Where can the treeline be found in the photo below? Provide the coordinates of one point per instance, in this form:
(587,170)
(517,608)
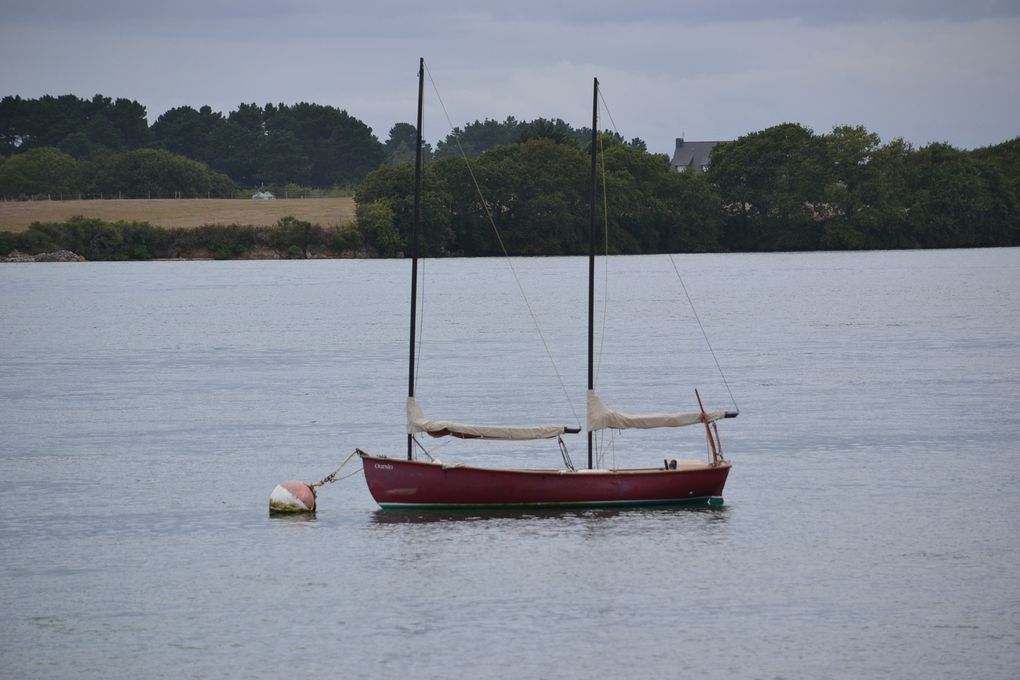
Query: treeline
(484,135)
(536,193)
(784,188)
(305,144)
(95,239)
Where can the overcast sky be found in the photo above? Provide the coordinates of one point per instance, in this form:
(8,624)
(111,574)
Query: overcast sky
(935,70)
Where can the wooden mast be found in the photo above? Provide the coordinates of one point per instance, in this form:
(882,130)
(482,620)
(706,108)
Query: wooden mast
(414,246)
(591,253)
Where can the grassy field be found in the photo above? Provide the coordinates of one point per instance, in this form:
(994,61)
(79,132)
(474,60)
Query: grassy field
(188,212)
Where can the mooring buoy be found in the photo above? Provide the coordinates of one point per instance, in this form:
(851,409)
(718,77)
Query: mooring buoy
(292,496)
(295,496)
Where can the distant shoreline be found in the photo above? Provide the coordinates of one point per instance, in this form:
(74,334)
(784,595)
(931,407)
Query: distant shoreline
(17,216)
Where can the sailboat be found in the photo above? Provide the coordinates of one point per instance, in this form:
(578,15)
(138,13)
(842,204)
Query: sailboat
(410,483)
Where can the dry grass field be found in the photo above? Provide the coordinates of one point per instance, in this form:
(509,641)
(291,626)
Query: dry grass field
(188,212)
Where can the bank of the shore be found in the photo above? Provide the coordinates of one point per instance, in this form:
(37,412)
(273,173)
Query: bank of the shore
(95,239)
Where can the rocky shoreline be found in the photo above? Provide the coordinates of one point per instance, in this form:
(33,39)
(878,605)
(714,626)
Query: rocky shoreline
(57,256)
(196,255)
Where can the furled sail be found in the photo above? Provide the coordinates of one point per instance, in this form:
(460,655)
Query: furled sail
(417,422)
(601,416)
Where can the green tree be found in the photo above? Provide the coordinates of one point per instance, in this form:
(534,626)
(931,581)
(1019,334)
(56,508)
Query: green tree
(157,173)
(376,221)
(886,195)
(238,152)
(1000,169)
(400,144)
(185,131)
(394,185)
(331,147)
(38,171)
(478,137)
(129,119)
(543,128)
(771,183)
(72,124)
(1005,158)
(951,199)
(849,186)
(536,194)
(654,209)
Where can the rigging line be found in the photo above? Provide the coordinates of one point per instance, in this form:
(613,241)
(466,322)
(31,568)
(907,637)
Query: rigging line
(605,266)
(608,112)
(605,235)
(703,333)
(421,322)
(506,255)
(600,452)
(351,474)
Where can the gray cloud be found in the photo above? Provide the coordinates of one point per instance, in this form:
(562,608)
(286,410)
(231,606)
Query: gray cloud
(336,14)
(926,71)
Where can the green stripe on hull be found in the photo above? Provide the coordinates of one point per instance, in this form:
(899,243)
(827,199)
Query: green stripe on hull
(703,500)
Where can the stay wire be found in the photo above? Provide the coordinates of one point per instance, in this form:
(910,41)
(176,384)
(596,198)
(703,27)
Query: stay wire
(598,443)
(605,251)
(506,254)
(675,269)
(605,235)
(703,333)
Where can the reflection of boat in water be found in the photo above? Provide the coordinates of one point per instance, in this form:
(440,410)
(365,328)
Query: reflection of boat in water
(411,515)
(410,483)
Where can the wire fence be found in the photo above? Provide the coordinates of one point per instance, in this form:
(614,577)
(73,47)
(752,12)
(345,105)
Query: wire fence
(253,193)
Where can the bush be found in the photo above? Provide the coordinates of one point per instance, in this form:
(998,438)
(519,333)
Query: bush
(38,172)
(158,173)
(8,242)
(377,222)
(346,240)
(95,239)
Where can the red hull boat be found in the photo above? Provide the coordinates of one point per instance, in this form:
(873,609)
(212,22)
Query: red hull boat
(396,483)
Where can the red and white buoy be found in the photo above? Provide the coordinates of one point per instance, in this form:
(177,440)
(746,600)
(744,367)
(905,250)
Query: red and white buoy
(295,496)
(292,496)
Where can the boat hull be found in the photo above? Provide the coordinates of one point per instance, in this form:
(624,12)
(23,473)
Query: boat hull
(398,483)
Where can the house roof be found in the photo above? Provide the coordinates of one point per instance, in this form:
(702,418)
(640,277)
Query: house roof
(694,154)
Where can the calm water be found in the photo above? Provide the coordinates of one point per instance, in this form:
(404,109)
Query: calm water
(871,519)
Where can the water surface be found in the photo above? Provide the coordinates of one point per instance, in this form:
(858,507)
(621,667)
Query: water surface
(870,525)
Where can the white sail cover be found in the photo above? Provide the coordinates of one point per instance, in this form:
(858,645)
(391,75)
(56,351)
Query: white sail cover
(601,416)
(417,422)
